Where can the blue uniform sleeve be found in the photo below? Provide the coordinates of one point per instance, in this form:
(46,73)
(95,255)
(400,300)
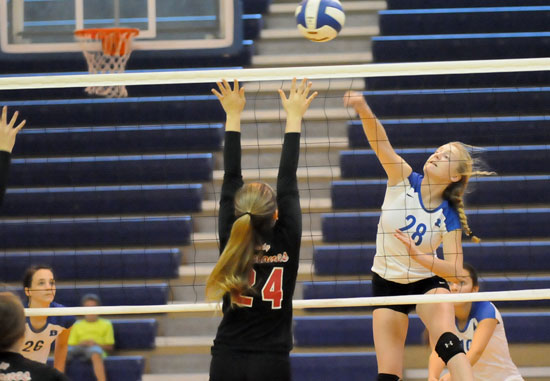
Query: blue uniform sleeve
(66,321)
(452,221)
(483,310)
(416,180)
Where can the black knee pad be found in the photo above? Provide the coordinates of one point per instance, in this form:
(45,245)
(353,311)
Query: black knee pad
(387,377)
(448,346)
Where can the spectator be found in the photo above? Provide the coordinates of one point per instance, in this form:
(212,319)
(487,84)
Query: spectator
(91,338)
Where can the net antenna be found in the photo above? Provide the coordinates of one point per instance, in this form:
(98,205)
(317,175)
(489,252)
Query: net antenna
(106,50)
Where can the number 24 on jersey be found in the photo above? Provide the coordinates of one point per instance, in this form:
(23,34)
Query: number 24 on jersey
(272,291)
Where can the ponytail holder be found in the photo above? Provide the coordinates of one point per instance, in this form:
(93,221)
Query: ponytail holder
(250,214)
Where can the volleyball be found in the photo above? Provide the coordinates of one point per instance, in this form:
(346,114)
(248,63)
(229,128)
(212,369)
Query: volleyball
(320,20)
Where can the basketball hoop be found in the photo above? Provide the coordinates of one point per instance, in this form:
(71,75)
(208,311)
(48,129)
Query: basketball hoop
(107,50)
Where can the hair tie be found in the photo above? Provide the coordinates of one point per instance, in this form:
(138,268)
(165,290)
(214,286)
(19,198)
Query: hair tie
(250,214)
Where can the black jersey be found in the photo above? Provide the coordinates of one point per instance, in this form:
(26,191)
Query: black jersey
(4,165)
(262,322)
(15,367)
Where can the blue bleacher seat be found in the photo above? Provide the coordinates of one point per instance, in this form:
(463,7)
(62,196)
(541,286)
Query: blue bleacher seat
(479,131)
(95,264)
(94,200)
(464,20)
(524,223)
(421,4)
(485,191)
(504,160)
(333,366)
(115,295)
(528,327)
(500,257)
(509,79)
(103,170)
(134,333)
(360,289)
(139,139)
(158,110)
(120,368)
(95,232)
(465,102)
(450,47)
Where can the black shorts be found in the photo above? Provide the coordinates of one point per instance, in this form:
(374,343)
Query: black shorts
(249,366)
(383,287)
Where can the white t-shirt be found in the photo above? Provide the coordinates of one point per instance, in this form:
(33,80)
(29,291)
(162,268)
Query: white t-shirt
(495,363)
(37,344)
(403,209)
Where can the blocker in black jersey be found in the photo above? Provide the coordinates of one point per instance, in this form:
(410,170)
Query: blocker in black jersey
(263,321)
(254,338)
(14,367)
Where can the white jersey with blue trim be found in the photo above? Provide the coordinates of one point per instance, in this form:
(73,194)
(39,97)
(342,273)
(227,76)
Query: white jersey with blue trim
(495,363)
(38,342)
(403,209)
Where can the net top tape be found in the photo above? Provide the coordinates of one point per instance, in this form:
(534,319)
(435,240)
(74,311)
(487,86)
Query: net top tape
(270,74)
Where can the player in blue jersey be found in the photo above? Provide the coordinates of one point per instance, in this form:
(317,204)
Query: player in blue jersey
(420,212)
(42,331)
(13,366)
(260,234)
(481,329)
(7,140)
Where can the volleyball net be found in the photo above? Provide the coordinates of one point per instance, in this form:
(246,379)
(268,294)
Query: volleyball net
(120,196)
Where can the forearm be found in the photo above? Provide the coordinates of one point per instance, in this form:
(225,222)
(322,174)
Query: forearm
(473,356)
(233,122)
(446,269)
(4,167)
(288,165)
(293,124)
(60,356)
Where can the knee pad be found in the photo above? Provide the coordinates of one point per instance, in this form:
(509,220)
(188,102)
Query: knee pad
(387,377)
(448,346)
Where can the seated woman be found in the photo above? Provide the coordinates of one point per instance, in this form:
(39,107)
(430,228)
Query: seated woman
(481,330)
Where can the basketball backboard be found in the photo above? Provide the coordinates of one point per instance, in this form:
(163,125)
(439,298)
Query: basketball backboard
(34,26)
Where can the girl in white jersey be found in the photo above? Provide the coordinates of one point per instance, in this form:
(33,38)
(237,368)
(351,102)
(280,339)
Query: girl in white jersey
(42,331)
(418,214)
(481,330)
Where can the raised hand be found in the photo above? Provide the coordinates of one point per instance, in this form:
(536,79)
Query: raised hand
(7,131)
(298,101)
(232,100)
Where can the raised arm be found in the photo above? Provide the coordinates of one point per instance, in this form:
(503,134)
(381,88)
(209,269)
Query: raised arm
(233,102)
(7,141)
(396,168)
(288,199)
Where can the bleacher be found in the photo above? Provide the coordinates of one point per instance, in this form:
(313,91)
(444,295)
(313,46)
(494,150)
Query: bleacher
(504,115)
(104,190)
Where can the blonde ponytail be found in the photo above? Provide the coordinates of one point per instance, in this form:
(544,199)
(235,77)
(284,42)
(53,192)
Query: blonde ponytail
(255,206)
(454,193)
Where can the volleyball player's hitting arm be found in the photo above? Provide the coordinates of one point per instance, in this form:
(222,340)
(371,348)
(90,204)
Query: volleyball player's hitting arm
(7,141)
(395,167)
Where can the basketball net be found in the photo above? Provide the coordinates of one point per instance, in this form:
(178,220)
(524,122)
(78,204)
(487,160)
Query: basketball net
(106,51)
